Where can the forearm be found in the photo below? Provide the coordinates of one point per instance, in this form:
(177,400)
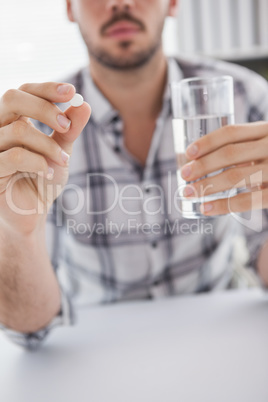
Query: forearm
(262,264)
(29,291)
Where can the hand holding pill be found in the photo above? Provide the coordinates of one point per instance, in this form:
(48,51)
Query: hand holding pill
(25,149)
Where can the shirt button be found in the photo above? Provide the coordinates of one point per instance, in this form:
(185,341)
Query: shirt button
(154,244)
(147,188)
(117,149)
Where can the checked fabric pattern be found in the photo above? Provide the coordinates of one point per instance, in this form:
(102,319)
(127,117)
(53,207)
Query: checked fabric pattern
(115,234)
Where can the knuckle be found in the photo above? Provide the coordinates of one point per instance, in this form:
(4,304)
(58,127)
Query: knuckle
(200,167)
(233,176)
(15,155)
(221,206)
(25,87)
(230,130)
(234,132)
(45,107)
(18,128)
(42,163)
(229,152)
(202,188)
(208,142)
(8,96)
(207,188)
(244,202)
(53,146)
(239,203)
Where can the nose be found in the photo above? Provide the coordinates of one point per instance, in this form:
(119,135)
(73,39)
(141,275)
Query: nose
(120,5)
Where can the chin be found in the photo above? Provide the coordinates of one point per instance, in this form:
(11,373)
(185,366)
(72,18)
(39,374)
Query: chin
(125,55)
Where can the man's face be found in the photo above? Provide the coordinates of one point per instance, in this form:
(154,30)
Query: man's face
(121,34)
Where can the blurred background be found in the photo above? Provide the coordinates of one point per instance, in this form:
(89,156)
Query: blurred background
(38,43)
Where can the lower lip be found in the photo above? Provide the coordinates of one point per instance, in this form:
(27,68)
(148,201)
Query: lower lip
(123,33)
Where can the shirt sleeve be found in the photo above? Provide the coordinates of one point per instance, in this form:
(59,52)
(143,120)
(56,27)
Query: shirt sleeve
(33,340)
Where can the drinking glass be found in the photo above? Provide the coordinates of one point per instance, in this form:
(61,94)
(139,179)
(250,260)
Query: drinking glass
(200,106)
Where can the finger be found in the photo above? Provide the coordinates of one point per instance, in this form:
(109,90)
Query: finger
(79,117)
(15,103)
(242,202)
(231,154)
(21,134)
(237,177)
(226,135)
(21,160)
(50,91)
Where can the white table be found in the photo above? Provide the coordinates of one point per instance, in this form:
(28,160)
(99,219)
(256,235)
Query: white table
(209,348)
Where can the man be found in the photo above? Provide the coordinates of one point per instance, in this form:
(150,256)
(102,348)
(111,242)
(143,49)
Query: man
(115,233)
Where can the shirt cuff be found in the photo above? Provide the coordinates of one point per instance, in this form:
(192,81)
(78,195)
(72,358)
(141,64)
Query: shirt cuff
(33,340)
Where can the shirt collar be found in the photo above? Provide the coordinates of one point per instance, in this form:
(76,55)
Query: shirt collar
(102,110)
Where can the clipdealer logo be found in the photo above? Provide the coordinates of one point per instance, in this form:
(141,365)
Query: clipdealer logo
(253,219)
(163,202)
(133,227)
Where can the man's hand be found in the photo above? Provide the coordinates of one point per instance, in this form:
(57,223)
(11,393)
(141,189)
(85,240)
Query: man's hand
(30,161)
(243,149)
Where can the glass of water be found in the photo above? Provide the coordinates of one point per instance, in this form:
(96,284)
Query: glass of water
(200,105)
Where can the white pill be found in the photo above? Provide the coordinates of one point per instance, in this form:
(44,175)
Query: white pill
(77,100)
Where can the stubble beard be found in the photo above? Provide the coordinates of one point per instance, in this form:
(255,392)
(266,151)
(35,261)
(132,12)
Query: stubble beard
(124,63)
(133,62)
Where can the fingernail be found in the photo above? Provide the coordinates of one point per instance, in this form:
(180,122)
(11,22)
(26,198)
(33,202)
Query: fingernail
(186,171)
(206,208)
(64,89)
(50,173)
(65,156)
(188,191)
(192,150)
(63,121)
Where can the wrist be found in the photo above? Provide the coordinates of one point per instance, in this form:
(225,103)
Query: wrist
(26,231)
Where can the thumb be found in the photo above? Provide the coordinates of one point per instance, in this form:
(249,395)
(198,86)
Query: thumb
(79,117)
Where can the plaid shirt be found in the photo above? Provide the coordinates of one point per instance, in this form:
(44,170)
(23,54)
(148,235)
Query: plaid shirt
(116,234)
